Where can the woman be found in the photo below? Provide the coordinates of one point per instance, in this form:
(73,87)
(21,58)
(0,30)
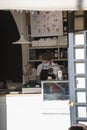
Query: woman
(47,69)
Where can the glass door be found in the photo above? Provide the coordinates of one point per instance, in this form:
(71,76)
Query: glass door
(78,76)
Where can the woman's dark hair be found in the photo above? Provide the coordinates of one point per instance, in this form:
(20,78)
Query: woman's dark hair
(46,56)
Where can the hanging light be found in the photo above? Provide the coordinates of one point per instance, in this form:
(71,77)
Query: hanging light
(22,40)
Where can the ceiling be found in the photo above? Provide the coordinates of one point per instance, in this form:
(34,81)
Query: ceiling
(41,5)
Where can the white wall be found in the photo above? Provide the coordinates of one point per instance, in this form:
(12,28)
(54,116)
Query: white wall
(24,112)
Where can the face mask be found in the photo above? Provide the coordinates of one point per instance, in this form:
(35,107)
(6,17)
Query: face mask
(45,64)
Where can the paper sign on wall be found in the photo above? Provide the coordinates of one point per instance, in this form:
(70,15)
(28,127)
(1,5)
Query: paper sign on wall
(46,23)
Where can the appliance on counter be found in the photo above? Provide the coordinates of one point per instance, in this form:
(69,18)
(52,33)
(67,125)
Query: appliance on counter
(33,86)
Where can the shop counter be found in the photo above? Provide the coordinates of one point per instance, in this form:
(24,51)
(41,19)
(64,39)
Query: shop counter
(30,111)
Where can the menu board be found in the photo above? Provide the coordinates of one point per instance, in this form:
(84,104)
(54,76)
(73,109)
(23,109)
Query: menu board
(46,23)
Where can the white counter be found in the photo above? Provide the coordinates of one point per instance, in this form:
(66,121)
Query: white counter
(25,112)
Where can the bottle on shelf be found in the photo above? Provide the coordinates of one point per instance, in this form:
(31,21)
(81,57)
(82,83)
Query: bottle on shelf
(52,55)
(61,54)
(33,55)
(56,54)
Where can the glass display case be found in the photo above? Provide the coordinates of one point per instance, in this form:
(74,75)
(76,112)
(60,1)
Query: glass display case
(55,96)
(55,90)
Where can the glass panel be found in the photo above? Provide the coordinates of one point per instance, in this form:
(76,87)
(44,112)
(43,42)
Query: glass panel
(80,82)
(82,122)
(79,68)
(55,91)
(79,53)
(81,97)
(82,112)
(79,39)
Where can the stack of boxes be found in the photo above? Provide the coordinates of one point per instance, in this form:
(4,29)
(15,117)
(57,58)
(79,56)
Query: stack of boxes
(61,40)
(45,42)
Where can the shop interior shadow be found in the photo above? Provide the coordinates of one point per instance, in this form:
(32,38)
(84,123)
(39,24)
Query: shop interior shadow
(10,55)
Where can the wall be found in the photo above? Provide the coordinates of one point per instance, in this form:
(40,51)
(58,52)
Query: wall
(24,112)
